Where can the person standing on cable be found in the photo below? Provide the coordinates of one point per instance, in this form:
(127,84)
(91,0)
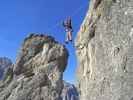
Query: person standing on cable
(67,24)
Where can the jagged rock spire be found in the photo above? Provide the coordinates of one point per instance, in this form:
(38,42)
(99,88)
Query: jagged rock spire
(38,71)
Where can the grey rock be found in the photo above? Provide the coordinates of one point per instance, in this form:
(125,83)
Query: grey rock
(38,71)
(104,47)
(69,92)
(5,63)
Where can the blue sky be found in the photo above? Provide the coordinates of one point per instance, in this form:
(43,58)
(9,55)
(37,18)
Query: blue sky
(18,18)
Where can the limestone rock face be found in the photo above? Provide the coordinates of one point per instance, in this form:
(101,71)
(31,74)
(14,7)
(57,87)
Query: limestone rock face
(38,71)
(5,63)
(105,51)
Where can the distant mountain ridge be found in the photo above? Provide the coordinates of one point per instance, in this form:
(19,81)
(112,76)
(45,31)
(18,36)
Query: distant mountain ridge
(5,63)
(69,92)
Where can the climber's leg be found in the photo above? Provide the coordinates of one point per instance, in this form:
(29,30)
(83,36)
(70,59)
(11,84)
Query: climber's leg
(70,36)
(67,37)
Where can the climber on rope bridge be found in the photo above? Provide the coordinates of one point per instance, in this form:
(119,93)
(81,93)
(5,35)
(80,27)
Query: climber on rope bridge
(67,24)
